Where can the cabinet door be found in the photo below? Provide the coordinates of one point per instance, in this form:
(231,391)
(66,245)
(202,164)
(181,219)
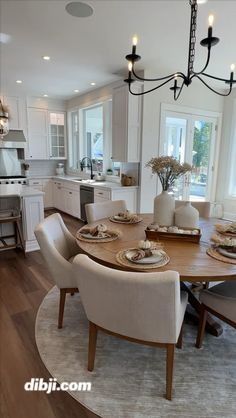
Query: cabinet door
(37,133)
(72,202)
(59,197)
(57,135)
(119,124)
(13,104)
(33,214)
(48,197)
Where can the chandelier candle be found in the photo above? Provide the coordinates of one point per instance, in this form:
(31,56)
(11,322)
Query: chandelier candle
(186,79)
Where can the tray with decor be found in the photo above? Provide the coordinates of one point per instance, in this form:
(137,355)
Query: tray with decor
(156,232)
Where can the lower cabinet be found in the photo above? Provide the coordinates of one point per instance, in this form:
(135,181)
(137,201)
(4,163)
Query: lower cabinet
(46,186)
(66,199)
(32,215)
(129,195)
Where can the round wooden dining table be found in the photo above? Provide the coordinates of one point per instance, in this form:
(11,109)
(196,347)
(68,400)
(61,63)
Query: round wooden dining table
(189,259)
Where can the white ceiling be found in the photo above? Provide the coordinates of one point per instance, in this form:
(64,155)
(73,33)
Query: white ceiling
(94,48)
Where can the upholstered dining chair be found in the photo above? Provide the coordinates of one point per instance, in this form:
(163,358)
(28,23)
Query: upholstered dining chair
(96,211)
(203,208)
(58,247)
(220,300)
(145,308)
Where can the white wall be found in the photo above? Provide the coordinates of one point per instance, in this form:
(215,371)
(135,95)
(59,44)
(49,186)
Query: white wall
(195,96)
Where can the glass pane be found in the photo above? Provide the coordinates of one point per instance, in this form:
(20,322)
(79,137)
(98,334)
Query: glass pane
(53,129)
(200,159)
(54,141)
(61,151)
(55,151)
(61,130)
(175,137)
(53,118)
(61,141)
(174,146)
(60,119)
(93,139)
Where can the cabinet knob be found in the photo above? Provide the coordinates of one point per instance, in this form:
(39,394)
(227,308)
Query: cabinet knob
(70,192)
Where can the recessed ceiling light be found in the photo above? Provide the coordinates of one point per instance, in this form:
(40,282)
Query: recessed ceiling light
(202,1)
(45,95)
(19,81)
(78,9)
(93,84)
(46,58)
(76,91)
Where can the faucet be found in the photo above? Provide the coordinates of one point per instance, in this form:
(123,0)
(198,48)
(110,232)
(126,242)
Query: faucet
(82,166)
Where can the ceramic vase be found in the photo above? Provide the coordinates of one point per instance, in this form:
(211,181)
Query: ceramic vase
(164,208)
(187,216)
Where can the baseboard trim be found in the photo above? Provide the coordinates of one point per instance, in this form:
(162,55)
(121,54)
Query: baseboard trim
(31,246)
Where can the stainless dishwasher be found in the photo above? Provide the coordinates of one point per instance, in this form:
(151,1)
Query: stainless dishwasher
(86,196)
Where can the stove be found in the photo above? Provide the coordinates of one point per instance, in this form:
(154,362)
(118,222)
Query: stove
(14,180)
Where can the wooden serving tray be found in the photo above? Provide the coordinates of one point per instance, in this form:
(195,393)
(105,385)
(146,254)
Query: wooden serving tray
(158,235)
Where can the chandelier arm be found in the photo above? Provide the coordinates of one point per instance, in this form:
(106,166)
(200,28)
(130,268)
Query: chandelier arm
(179,74)
(179,92)
(149,91)
(219,78)
(214,91)
(205,67)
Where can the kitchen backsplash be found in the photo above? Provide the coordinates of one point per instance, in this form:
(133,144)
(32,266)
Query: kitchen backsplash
(42,167)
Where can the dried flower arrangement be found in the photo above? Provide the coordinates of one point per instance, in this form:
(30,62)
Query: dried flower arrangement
(168,170)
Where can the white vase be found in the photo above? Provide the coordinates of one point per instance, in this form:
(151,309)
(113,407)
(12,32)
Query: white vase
(164,208)
(187,216)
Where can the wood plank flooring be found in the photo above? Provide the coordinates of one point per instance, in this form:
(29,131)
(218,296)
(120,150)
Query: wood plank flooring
(23,284)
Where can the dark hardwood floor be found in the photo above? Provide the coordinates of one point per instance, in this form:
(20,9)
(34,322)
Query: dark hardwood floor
(23,284)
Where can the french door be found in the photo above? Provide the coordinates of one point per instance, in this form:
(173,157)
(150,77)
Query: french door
(192,139)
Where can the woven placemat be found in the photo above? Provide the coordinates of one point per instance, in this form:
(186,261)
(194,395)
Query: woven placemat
(212,252)
(125,222)
(115,234)
(121,258)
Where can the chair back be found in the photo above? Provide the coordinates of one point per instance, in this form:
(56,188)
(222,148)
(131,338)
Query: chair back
(100,210)
(203,208)
(144,306)
(57,245)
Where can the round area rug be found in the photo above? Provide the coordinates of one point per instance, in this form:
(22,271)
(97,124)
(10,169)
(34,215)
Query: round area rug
(128,380)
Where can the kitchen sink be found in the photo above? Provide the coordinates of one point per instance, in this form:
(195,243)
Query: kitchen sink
(84,180)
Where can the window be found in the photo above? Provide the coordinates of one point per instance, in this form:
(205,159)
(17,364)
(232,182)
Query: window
(232,183)
(90,136)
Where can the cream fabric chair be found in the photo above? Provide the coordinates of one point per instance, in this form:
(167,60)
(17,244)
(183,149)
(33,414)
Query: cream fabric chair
(203,208)
(58,248)
(100,210)
(220,300)
(146,308)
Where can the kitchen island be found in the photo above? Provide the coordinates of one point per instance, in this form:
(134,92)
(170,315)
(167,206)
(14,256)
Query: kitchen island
(32,212)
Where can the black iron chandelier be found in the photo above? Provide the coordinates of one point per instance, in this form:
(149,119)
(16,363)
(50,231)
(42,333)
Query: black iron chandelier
(186,79)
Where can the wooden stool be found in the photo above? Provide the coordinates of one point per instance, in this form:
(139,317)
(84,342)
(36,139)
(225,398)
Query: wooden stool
(10,212)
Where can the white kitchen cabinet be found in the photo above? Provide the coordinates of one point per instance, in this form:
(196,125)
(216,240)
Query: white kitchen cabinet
(101,195)
(33,214)
(72,202)
(17,111)
(126,124)
(66,197)
(58,197)
(44,185)
(37,134)
(57,135)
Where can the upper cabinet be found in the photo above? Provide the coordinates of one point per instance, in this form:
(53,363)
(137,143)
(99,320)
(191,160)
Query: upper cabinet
(126,124)
(38,134)
(17,112)
(47,139)
(57,135)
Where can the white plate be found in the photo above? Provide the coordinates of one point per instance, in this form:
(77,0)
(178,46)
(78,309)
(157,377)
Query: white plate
(147,260)
(226,253)
(120,218)
(89,236)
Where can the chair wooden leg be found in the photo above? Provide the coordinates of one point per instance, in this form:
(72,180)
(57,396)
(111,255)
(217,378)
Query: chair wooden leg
(180,339)
(201,326)
(92,345)
(18,227)
(61,307)
(169,369)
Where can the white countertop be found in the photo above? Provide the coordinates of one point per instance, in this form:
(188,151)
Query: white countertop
(97,184)
(18,190)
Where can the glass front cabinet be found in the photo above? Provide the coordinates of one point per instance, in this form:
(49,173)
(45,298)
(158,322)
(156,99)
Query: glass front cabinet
(57,135)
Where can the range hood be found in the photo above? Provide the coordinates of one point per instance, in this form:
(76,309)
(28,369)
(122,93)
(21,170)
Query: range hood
(14,139)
